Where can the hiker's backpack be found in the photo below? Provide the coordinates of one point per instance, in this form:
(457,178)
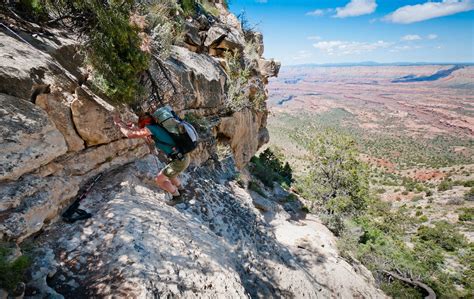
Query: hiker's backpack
(183,133)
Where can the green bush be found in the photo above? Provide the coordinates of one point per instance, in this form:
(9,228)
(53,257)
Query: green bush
(269,168)
(469,195)
(209,8)
(418,213)
(423,218)
(337,179)
(12,272)
(189,7)
(443,234)
(469,183)
(34,10)
(113,50)
(165,27)
(467,214)
(291,197)
(445,185)
(237,79)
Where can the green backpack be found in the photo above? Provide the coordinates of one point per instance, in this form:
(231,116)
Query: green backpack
(182,133)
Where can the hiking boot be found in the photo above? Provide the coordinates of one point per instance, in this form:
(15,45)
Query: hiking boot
(176,198)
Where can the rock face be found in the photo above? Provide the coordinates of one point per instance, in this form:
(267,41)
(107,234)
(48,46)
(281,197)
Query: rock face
(93,118)
(215,244)
(59,112)
(28,138)
(199,75)
(224,38)
(242,129)
(23,65)
(34,201)
(269,68)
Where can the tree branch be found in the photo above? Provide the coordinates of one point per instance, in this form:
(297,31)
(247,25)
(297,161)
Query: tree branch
(416,283)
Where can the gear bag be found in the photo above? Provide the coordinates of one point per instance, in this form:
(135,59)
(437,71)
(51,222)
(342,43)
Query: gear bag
(183,133)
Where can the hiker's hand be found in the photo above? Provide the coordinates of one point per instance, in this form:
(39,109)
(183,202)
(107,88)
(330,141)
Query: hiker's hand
(117,120)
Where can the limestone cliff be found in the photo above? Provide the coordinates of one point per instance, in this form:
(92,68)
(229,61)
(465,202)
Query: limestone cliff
(215,244)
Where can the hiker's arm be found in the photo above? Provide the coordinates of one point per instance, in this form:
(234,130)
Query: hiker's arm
(129,132)
(135,133)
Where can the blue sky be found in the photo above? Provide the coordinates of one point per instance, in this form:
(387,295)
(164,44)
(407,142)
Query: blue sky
(335,31)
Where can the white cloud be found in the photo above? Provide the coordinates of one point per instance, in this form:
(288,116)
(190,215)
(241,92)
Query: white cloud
(337,47)
(356,8)
(319,12)
(429,10)
(432,36)
(411,37)
(314,37)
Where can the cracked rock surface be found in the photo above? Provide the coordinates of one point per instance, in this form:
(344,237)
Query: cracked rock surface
(214,243)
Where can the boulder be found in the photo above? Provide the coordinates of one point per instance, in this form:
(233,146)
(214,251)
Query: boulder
(93,118)
(31,202)
(214,35)
(202,78)
(28,138)
(258,40)
(228,18)
(23,65)
(59,112)
(269,67)
(203,22)
(36,199)
(226,38)
(261,203)
(191,34)
(242,130)
(104,157)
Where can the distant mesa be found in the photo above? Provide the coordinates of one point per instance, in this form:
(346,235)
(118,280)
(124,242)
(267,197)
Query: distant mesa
(287,99)
(292,81)
(438,75)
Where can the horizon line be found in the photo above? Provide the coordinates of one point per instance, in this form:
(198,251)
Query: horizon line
(374,63)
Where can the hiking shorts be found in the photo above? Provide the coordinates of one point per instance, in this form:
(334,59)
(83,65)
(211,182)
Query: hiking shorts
(175,167)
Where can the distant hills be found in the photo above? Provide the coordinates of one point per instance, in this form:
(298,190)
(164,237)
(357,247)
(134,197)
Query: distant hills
(373,63)
(438,75)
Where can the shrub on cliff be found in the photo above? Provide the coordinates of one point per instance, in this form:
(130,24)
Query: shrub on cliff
(115,48)
(12,271)
(239,71)
(237,78)
(34,10)
(165,28)
(119,37)
(269,168)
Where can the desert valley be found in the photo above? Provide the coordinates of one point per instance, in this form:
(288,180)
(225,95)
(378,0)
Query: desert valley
(413,126)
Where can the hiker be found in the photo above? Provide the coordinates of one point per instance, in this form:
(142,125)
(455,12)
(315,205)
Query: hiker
(171,135)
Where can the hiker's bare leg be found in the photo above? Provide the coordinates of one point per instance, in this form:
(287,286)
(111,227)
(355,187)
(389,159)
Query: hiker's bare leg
(175,181)
(164,183)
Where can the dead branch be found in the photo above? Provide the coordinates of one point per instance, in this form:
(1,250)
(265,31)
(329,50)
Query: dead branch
(164,71)
(416,283)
